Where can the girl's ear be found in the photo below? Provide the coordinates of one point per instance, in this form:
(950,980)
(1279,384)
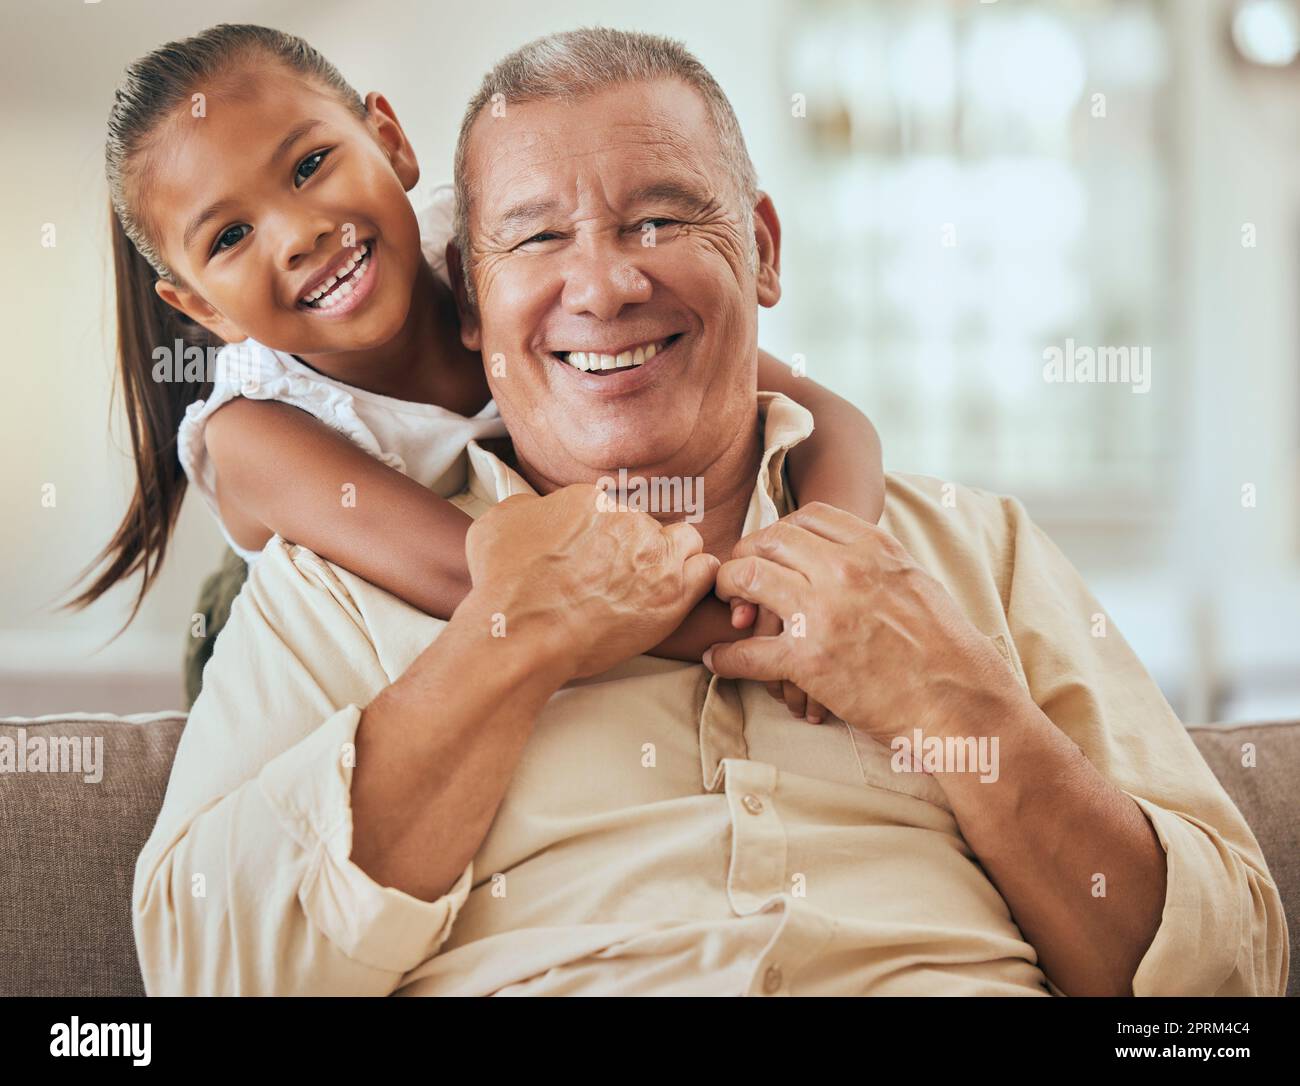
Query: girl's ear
(194,307)
(383,122)
(471,332)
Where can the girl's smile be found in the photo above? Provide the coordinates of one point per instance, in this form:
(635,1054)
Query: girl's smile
(343,285)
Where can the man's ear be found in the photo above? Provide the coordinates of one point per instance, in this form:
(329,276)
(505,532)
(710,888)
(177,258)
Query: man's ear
(767,238)
(471,333)
(194,307)
(383,123)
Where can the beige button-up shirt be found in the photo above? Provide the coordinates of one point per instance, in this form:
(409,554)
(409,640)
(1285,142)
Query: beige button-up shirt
(667,831)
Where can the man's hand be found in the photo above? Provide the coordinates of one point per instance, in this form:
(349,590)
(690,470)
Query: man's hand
(867,631)
(606,584)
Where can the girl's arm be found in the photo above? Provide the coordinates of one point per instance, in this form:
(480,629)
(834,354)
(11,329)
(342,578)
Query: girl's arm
(282,471)
(840,464)
(257,445)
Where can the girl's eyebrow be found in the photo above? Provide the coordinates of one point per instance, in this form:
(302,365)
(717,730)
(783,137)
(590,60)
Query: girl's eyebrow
(213,210)
(295,134)
(201,220)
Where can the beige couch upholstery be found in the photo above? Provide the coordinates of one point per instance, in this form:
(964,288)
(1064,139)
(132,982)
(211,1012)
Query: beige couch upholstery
(68,847)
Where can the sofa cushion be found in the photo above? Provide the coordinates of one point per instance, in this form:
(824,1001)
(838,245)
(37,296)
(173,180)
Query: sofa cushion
(1265,794)
(68,850)
(68,846)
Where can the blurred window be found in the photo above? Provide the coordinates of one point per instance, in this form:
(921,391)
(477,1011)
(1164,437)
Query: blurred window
(981,184)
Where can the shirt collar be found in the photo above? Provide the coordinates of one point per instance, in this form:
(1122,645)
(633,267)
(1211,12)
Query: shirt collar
(782,423)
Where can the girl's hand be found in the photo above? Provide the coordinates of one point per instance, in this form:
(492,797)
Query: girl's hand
(769,624)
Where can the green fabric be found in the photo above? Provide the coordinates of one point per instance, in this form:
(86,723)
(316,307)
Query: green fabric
(215,599)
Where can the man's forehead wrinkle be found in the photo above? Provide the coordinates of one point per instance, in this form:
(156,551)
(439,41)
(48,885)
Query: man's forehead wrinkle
(662,128)
(516,178)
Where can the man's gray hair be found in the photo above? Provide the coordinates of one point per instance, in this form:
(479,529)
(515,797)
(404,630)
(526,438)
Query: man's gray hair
(576,63)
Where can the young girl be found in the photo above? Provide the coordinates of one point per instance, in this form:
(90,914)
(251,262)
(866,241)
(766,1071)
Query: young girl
(260,207)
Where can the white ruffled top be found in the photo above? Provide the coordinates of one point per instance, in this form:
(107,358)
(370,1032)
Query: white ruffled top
(423,441)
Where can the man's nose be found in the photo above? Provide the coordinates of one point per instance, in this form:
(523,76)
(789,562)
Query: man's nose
(300,236)
(602,278)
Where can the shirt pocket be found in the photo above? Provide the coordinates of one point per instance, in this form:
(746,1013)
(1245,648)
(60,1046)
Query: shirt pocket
(876,762)
(880,764)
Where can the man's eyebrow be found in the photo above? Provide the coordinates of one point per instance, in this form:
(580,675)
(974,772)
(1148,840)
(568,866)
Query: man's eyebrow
(522,214)
(674,193)
(213,210)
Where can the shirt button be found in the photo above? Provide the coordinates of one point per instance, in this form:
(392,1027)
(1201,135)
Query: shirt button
(772,979)
(752,803)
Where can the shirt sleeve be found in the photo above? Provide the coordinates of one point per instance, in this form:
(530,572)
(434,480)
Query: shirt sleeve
(435,214)
(1222,930)
(246,885)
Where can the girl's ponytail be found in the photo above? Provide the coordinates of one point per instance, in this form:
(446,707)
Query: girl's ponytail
(153,87)
(154,409)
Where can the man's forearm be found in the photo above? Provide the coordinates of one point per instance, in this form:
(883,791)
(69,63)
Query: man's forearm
(1076,860)
(436,750)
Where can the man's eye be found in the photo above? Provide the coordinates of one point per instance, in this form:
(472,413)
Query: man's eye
(308,166)
(546,236)
(229,238)
(657,223)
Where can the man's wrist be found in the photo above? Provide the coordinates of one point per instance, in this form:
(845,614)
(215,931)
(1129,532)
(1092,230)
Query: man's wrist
(987,700)
(531,649)
(999,734)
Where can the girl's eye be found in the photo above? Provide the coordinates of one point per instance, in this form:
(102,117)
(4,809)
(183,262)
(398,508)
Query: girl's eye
(308,166)
(229,238)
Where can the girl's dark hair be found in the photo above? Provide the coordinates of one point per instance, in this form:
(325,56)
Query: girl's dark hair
(152,88)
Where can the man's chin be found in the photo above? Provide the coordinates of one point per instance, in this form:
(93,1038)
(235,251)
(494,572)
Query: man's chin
(634,456)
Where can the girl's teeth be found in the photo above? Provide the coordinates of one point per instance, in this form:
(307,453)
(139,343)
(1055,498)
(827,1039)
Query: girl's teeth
(326,297)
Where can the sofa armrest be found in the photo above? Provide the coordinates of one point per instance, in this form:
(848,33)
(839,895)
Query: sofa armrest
(1266,794)
(70,841)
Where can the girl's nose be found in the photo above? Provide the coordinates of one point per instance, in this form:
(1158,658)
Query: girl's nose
(300,239)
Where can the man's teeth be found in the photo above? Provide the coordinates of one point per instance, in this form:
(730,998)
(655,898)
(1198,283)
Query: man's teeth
(342,282)
(587,361)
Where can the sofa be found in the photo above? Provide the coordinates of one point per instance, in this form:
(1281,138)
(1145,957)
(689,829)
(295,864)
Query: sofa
(68,846)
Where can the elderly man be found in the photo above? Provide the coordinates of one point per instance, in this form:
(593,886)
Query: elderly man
(518,801)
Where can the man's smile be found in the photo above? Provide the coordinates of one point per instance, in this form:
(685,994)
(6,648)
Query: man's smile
(612,374)
(593,360)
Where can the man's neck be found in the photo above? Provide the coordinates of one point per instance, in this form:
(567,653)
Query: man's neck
(724,489)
